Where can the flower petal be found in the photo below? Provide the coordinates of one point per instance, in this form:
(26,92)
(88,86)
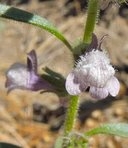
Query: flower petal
(16,76)
(72,87)
(98,93)
(113,86)
(75,84)
(32,61)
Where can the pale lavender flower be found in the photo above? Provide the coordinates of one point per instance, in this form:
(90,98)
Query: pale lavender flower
(20,76)
(95,72)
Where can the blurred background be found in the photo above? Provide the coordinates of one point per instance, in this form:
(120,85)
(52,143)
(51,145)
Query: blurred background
(35,120)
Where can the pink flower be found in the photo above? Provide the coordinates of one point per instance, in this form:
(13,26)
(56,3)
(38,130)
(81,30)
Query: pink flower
(20,76)
(95,72)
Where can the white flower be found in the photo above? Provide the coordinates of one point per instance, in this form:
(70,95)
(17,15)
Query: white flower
(95,71)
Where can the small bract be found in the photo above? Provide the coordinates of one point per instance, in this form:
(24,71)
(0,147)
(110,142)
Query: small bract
(20,76)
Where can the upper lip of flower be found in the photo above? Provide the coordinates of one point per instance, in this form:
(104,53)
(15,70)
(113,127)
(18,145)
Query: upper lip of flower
(32,62)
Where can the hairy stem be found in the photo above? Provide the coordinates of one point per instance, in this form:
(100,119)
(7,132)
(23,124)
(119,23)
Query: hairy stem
(71,115)
(92,16)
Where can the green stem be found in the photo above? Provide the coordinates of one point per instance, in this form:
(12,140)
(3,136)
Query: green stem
(92,15)
(71,115)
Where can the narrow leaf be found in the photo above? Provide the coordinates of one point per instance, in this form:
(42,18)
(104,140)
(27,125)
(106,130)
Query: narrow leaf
(119,129)
(30,18)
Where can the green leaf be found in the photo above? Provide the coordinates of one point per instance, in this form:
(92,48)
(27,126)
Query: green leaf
(119,129)
(30,18)
(8,145)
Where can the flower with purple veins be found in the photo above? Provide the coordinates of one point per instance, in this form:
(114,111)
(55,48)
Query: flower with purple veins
(94,71)
(20,76)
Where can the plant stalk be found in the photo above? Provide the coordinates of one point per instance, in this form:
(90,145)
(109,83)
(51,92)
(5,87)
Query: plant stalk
(71,115)
(92,17)
(70,120)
